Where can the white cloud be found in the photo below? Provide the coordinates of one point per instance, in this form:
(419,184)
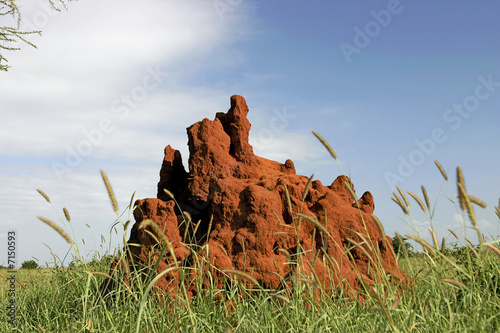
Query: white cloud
(87,60)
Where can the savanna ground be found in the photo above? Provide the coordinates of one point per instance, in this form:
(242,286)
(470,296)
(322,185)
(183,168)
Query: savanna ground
(455,288)
(65,300)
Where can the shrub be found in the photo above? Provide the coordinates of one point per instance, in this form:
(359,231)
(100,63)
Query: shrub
(29,264)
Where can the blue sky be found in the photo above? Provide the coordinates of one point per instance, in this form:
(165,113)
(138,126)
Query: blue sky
(140,73)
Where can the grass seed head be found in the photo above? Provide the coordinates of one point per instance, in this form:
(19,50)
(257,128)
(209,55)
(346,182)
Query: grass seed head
(403,196)
(417,199)
(461,192)
(426,198)
(46,197)
(110,192)
(56,228)
(326,144)
(66,214)
(440,167)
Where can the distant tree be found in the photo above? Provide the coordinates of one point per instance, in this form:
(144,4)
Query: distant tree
(398,247)
(29,264)
(12,34)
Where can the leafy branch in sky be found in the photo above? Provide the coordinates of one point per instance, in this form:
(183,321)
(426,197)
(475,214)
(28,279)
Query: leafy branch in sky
(12,34)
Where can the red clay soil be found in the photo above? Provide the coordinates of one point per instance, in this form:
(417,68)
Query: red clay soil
(240,200)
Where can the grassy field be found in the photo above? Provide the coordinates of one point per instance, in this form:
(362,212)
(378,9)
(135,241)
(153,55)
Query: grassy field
(65,300)
(453,290)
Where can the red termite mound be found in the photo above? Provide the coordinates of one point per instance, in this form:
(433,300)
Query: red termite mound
(246,214)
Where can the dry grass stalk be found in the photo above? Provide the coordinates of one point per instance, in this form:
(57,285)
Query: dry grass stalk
(461,182)
(280,297)
(402,244)
(132,200)
(360,247)
(351,191)
(420,203)
(380,227)
(424,244)
(383,307)
(395,304)
(403,196)
(210,226)
(170,194)
(101,274)
(307,281)
(477,201)
(56,228)
(241,274)
(110,192)
(285,252)
(445,176)
(434,238)
(443,245)
(497,209)
(124,265)
(454,234)
(426,198)
(398,201)
(306,189)
(288,200)
(125,227)
(468,206)
(66,214)
(89,323)
(493,248)
(316,223)
(473,250)
(453,283)
(161,235)
(326,144)
(46,197)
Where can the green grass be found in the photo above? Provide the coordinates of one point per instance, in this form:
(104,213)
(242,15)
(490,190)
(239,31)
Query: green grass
(68,301)
(455,290)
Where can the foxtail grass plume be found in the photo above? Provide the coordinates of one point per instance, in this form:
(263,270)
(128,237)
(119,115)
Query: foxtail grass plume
(170,194)
(110,192)
(45,196)
(461,181)
(493,248)
(132,200)
(398,201)
(477,201)
(403,196)
(443,245)
(497,209)
(316,223)
(424,244)
(417,199)
(307,187)
(379,225)
(326,144)
(426,198)
(351,191)
(66,214)
(467,203)
(434,238)
(453,282)
(56,228)
(440,167)
(454,234)
(241,274)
